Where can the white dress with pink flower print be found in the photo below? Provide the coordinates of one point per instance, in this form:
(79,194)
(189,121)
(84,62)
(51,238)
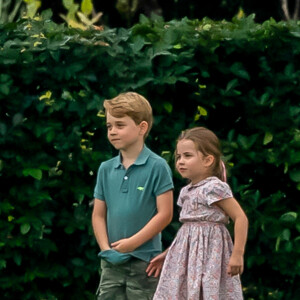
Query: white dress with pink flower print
(195,266)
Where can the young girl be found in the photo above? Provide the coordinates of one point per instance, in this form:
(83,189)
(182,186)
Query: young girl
(202,262)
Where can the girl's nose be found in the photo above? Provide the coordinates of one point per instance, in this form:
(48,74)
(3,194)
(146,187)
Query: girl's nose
(180,161)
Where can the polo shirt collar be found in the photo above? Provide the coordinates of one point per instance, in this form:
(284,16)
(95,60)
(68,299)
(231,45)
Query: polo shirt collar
(141,160)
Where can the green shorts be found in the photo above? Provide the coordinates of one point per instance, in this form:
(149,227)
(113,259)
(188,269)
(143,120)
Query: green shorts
(128,281)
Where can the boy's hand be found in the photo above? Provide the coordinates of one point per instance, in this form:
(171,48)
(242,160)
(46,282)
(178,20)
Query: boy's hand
(235,265)
(123,246)
(156,264)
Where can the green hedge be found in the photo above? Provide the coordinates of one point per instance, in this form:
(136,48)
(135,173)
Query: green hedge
(239,78)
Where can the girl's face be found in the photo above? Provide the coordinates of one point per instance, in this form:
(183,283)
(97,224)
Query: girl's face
(191,163)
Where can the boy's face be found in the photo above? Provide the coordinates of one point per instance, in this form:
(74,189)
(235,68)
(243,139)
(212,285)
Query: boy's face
(123,133)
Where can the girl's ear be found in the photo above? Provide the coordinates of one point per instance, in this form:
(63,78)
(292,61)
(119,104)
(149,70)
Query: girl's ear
(143,127)
(209,160)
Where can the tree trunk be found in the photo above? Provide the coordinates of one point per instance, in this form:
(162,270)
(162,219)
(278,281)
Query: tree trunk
(296,11)
(285,9)
(284,6)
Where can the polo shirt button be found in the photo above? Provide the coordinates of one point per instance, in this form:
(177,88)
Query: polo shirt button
(125,178)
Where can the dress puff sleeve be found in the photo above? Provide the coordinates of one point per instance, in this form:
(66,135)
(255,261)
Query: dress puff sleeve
(180,199)
(216,191)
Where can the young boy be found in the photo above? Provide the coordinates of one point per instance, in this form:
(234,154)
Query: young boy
(133,202)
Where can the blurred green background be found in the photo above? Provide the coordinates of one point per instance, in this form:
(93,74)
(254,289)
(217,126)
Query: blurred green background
(232,66)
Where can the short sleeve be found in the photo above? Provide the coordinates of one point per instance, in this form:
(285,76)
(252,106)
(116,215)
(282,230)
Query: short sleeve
(164,181)
(216,191)
(98,191)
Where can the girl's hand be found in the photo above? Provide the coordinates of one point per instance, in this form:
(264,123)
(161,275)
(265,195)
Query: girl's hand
(123,246)
(156,264)
(235,265)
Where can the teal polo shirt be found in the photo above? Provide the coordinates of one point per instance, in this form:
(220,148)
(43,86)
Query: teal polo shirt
(130,197)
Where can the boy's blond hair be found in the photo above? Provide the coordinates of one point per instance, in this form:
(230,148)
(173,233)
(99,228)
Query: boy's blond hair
(133,105)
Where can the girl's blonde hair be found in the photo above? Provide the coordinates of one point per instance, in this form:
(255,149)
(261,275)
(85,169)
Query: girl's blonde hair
(208,144)
(133,105)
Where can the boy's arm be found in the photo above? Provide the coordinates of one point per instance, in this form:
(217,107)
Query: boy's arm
(99,224)
(164,203)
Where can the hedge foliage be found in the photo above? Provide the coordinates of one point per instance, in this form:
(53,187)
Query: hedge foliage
(239,78)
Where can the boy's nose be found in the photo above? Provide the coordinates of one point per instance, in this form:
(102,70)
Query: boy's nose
(112,131)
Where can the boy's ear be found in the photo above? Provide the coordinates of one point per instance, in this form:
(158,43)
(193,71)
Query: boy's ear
(209,160)
(143,127)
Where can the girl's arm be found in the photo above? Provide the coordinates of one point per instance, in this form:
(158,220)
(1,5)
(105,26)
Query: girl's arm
(232,208)
(99,224)
(164,203)
(156,264)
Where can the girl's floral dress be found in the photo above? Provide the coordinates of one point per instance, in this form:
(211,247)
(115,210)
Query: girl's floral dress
(196,263)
